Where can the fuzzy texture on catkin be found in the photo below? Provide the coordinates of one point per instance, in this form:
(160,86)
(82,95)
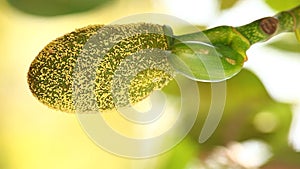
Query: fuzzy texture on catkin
(100,67)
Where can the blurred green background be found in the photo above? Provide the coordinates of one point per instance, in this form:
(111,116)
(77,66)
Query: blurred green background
(256,124)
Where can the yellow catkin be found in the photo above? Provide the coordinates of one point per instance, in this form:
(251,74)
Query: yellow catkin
(101,67)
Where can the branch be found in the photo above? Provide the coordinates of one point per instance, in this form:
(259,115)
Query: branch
(231,44)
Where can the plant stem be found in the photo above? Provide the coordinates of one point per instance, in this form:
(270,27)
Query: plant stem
(257,31)
(265,28)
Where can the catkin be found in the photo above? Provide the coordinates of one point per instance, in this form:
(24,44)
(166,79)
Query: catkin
(101,67)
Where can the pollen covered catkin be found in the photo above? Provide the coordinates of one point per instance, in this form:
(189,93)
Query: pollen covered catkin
(101,67)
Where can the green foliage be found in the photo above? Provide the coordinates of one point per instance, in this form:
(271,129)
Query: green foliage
(4,152)
(226,4)
(298,34)
(212,55)
(246,100)
(280,5)
(181,156)
(56,7)
(246,97)
(287,43)
(204,62)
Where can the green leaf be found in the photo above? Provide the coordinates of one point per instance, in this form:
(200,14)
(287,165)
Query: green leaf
(297,32)
(280,5)
(226,4)
(180,156)
(246,99)
(56,7)
(250,113)
(204,62)
(287,42)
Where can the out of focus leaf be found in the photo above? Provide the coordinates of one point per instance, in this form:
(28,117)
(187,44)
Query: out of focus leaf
(246,96)
(280,165)
(179,30)
(56,7)
(246,99)
(226,4)
(288,43)
(3,155)
(180,156)
(280,5)
(298,34)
